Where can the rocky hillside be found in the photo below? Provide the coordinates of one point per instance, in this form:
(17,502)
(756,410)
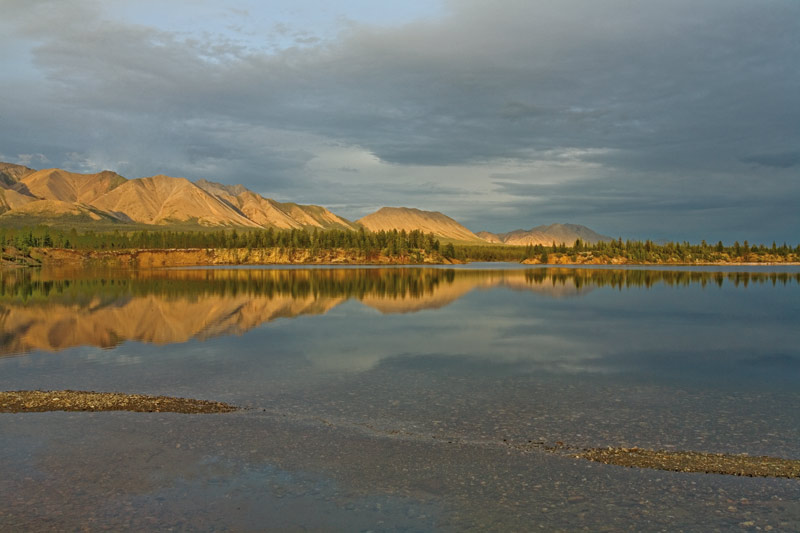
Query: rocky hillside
(270,213)
(10,173)
(55,195)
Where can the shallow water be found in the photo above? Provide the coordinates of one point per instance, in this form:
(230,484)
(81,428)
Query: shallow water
(392,399)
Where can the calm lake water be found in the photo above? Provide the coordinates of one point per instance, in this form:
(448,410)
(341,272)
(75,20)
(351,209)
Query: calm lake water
(390,399)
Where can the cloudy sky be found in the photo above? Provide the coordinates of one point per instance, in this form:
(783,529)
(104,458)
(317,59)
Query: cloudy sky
(665,120)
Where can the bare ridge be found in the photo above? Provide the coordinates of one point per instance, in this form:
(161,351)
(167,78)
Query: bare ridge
(163,199)
(10,174)
(546,235)
(63,186)
(56,210)
(409,219)
(12,199)
(316,216)
(270,213)
(488,236)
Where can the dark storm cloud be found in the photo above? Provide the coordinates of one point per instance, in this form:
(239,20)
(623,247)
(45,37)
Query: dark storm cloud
(781,160)
(674,209)
(639,115)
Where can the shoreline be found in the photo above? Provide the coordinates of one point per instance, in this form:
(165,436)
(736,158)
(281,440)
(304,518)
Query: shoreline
(199,257)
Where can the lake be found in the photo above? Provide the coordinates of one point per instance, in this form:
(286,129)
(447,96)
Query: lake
(401,399)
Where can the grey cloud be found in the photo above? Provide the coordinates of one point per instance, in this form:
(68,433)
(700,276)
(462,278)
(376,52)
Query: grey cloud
(31,159)
(660,99)
(303,39)
(353,201)
(520,110)
(778,160)
(697,209)
(437,94)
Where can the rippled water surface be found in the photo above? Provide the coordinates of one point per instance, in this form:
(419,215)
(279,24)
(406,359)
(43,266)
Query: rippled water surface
(393,399)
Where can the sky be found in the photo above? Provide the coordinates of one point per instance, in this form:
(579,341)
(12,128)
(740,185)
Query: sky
(673,120)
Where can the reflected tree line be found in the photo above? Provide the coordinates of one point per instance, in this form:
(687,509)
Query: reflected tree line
(620,279)
(84,287)
(93,288)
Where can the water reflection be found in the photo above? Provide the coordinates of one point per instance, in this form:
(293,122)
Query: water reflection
(393,396)
(53,310)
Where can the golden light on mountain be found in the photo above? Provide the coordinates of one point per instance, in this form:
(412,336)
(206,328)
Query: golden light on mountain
(29,197)
(545,235)
(52,194)
(410,219)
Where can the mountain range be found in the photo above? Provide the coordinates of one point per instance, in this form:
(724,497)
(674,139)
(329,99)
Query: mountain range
(55,196)
(158,200)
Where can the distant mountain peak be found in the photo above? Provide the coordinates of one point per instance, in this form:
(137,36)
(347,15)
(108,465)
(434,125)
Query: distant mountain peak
(411,218)
(546,235)
(220,188)
(10,173)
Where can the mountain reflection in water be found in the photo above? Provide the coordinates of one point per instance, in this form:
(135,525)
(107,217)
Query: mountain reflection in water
(53,310)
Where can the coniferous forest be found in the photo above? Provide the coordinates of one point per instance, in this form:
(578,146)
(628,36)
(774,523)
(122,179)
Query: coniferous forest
(18,242)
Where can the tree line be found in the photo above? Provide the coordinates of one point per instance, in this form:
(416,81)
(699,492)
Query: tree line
(632,251)
(392,243)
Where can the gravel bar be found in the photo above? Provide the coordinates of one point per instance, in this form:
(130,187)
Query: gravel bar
(34,401)
(707,463)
